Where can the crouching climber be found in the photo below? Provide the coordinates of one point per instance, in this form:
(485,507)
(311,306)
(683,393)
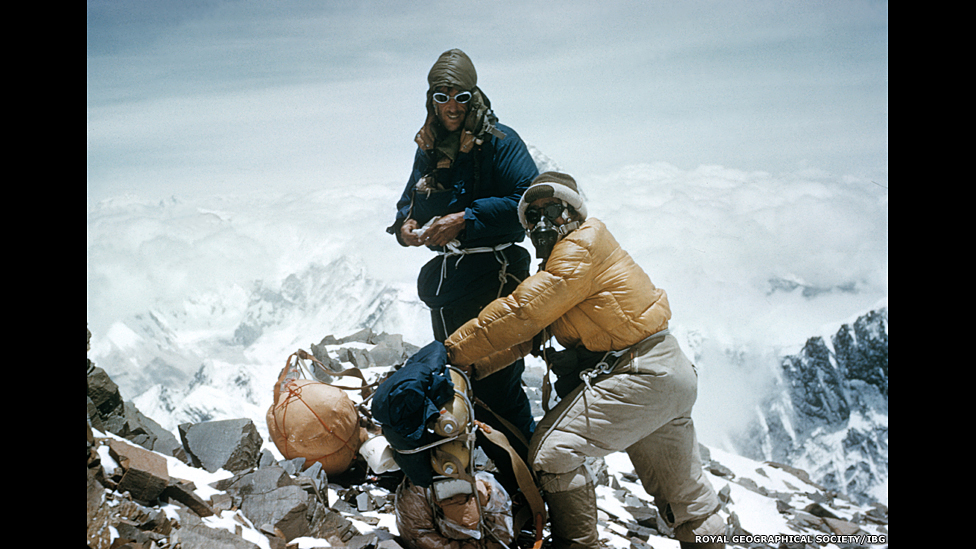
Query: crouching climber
(625,383)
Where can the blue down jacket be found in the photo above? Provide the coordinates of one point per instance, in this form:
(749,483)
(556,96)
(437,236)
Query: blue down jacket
(406,401)
(486,184)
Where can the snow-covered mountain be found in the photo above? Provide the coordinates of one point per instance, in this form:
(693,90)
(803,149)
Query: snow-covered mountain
(178,372)
(829,412)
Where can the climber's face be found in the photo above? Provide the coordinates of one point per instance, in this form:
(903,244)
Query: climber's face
(449,111)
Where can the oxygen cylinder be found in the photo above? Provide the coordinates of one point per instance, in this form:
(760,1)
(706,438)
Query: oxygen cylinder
(452,458)
(454,414)
(447,425)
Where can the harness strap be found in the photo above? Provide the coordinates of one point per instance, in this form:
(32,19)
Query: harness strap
(523,475)
(507,424)
(612,359)
(454,249)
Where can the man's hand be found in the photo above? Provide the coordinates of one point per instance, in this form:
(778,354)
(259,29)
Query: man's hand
(444,229)
(407,233)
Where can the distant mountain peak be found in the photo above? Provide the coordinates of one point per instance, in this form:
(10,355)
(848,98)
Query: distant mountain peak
(830,415)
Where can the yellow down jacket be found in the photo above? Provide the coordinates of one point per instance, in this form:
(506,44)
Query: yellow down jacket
(591,293)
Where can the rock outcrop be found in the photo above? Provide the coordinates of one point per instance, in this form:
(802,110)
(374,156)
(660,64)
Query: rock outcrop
(135,502)
(829,415)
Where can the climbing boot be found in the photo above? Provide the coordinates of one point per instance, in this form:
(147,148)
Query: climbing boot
(713,525)
(572,517)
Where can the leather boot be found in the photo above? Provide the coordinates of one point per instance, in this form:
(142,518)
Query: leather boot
(572,518)
(713,525)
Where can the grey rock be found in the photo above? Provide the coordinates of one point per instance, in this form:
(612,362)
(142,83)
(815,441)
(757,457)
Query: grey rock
(367,541)
(327,523)
(284,508)
(232,444)
(194,534)
(725,494)
(841,527)
(103,392)
(107,412)
(819,510)
(145,473)
(387,354)
(321,353)
(185,494)
(362,336)
(314,481)
(260,481)
(328,340)
(292,466)
(266,459)
(357,357)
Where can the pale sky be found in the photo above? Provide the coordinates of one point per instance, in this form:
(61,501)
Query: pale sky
(209,97)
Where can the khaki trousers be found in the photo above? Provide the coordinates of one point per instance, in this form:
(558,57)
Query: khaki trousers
(644,407)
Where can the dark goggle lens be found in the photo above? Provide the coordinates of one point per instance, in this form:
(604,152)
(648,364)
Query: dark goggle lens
(551,212)
(460,97)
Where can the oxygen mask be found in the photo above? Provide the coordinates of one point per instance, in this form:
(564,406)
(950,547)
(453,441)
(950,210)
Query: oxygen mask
(544,236)
(544,233)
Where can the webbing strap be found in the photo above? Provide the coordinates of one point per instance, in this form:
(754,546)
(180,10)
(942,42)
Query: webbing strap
(507,424)
(525,481)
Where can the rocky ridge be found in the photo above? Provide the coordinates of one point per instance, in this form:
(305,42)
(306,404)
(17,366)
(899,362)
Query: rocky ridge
(828,413)
(218,487)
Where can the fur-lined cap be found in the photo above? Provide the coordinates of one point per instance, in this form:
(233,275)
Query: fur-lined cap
(453,69)
(553,185)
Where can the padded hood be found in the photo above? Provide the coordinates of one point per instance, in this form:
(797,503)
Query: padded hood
(453,69)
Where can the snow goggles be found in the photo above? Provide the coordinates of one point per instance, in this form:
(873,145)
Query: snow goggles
(550,211)
(460,97)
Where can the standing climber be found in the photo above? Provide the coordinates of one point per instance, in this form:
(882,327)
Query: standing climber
(461,202)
